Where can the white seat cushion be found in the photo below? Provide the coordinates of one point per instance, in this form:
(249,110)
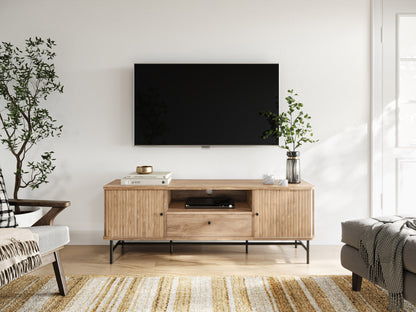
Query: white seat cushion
(51,236)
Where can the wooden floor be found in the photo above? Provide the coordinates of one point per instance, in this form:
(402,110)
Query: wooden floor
(199,260)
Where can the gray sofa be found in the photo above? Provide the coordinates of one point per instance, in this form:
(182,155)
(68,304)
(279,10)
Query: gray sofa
(351,259)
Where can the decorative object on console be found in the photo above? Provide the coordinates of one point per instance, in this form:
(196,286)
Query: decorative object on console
(293,126)
(268,179)
(153,175)
(27,76)
(144,169)
(293,167)
(154,178)
(282,182)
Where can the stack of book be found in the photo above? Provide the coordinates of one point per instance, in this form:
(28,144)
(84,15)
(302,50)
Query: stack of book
(154,178)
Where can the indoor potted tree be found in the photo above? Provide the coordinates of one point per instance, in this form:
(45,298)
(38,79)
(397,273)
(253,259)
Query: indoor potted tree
(27,78)
(294,128)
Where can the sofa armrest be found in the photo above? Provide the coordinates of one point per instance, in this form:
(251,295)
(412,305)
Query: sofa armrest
(56,208)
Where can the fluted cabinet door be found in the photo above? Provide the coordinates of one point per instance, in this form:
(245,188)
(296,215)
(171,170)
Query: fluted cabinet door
(282,214)
(135,214)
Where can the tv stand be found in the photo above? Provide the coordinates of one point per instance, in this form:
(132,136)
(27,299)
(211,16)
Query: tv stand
(263,214)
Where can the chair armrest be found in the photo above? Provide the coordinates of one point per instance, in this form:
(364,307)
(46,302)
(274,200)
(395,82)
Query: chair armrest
(41,203)
(56,208)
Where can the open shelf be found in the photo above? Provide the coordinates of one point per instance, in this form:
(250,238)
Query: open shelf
(178,207)
(242,200)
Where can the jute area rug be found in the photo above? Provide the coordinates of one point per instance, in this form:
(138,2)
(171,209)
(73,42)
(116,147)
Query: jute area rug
(132,293)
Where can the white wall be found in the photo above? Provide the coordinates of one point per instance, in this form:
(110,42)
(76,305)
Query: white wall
(323,48)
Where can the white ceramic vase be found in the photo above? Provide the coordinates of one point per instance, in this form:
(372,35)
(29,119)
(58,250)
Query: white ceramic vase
(28,216)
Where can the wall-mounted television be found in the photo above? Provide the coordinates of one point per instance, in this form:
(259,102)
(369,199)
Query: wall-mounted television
(203,104)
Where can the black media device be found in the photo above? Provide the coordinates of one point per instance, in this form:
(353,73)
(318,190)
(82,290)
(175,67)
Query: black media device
(203,104)
(209,203)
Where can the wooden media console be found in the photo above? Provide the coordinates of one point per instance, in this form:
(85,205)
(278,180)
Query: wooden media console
(266,213)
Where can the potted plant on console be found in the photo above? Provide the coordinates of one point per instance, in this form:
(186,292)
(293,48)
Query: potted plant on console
(27,78)
(294,128)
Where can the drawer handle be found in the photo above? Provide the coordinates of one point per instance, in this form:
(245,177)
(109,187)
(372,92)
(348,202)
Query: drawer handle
(257,213)
(161,213)
(209,222)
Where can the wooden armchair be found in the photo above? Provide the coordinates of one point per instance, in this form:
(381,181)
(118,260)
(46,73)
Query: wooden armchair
(51,238)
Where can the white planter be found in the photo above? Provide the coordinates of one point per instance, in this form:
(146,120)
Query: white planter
(28,216)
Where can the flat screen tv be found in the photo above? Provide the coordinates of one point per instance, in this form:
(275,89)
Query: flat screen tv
(203,104)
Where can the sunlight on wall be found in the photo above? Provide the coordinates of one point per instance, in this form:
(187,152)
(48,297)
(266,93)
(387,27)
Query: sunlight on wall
(340,171)
(323,48)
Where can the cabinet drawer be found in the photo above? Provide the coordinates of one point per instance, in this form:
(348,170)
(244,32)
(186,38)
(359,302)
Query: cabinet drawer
(208,225)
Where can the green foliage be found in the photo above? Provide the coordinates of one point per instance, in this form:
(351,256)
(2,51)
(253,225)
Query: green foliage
(293,126)
(27,78)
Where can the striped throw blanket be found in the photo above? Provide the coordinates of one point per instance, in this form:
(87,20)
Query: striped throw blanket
(19,253)
(381,248)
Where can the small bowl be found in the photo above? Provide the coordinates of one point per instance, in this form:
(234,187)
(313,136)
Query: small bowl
(144,169)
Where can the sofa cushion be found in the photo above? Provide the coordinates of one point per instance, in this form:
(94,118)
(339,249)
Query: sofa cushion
(51,236)
(353,230)
(7,218)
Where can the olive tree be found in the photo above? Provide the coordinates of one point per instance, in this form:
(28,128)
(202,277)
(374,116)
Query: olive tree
(27,78)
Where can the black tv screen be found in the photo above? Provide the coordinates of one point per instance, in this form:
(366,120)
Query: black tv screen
(203,104)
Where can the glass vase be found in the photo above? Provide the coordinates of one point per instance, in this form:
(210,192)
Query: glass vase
(293,167)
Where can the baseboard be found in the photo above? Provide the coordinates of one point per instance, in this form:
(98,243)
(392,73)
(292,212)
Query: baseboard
(87,238)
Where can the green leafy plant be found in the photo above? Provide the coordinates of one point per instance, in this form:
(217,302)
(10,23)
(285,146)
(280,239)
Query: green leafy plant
(27,78)
(293,126)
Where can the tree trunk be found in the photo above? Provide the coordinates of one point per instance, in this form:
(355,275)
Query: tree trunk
(17,182)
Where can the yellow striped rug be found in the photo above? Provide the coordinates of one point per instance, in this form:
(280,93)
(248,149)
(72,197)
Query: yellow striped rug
(133,293)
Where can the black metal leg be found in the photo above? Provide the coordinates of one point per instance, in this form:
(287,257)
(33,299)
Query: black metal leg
(296,243)
(111,252)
